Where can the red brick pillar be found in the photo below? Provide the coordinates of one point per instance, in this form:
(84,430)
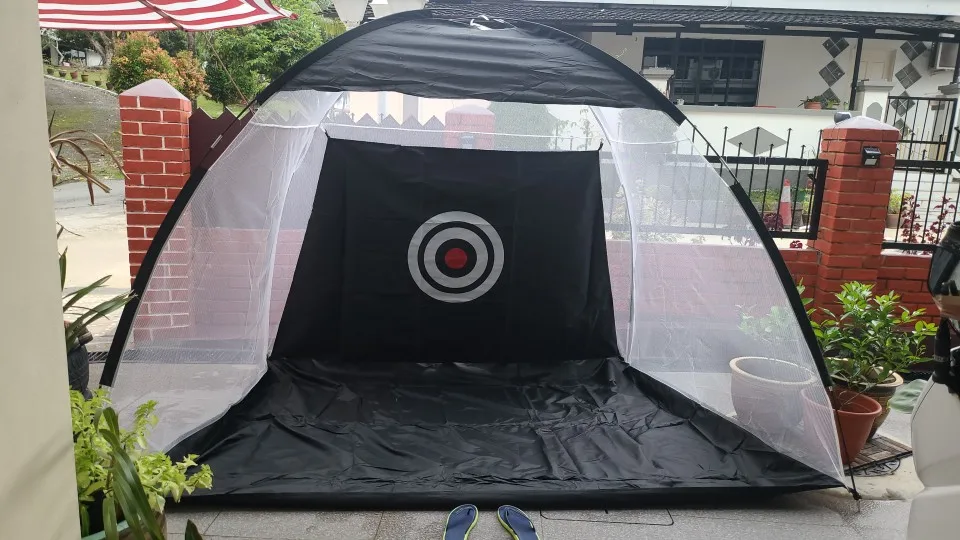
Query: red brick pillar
(154,127)
(154,124)
(854,205)
(476,120)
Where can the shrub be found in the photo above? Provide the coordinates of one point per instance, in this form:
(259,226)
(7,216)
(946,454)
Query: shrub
(191,74)
(139,58)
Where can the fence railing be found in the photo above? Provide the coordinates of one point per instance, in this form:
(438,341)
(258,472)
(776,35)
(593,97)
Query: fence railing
(927,126)
(767,177)
(923,202)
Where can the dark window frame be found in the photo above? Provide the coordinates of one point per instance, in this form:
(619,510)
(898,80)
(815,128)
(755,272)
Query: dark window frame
(725,49)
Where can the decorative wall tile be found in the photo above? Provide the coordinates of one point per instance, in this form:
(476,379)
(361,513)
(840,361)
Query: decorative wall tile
(913,49)
(835,46)
(831,73)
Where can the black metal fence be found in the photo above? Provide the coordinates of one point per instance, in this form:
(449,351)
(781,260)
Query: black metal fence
(767,178)
(679,193)
(923,202)
(927,126)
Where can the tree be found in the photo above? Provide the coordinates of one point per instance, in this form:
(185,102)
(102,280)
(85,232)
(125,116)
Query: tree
(140,58)
(533,120)
(241,61)
(104,43)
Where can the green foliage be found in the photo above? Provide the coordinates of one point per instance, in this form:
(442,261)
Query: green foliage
(872,338)
(191,75)
(173,41)
(114,462)
(83,317)
(254,55)
(895,204)
(774,327)
(533,120)
(139,58)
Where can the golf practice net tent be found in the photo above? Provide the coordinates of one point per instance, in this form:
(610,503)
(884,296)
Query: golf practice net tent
(480,292)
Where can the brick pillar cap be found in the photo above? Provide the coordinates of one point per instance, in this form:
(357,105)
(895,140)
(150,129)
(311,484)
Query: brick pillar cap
(864,122)
(155,88)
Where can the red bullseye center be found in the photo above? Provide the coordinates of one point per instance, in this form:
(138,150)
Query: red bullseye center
(455,258)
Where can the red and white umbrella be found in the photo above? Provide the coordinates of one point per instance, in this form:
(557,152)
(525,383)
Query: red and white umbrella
(150,15)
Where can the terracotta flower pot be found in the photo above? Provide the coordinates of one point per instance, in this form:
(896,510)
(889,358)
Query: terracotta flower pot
(74,75)
(766,392)
(854,416)
(892,221)
(882,394)
(813,105)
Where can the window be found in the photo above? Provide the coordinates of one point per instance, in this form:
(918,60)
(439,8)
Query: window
(709,71)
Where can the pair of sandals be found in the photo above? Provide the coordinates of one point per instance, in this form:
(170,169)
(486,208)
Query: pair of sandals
(463,519)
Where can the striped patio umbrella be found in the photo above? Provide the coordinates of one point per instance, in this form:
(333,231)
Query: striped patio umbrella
(149,15)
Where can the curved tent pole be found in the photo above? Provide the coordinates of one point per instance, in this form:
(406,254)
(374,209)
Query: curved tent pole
(638,81)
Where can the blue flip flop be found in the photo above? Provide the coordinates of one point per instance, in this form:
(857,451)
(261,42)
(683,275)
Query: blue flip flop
(460,522)
(517,523)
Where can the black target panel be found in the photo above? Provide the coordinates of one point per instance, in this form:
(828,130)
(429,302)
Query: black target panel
(452,255)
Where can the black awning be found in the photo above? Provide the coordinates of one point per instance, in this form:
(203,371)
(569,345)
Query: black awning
(692,18)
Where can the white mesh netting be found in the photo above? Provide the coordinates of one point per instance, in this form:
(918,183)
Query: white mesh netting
(685,263)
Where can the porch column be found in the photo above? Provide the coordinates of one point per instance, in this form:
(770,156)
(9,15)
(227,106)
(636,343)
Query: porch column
(660,78)
(951,116)
(854,205)
(872,98)
(38,486)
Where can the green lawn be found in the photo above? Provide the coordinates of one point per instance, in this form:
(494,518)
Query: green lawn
(215,108)
(211,107)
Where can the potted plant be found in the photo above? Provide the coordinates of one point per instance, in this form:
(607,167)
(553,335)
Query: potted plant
(49,70)
(85,77)
(765,390)
(893,210)
(813,103)
(98,82)
(76,329)
(62,73)
(74,74)
(121,486)
(871,342)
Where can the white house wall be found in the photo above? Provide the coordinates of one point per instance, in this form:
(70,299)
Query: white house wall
(917,7)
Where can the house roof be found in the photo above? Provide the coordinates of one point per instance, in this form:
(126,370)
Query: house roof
(678,18)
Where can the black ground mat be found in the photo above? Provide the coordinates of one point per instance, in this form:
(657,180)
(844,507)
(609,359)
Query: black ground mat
(582,434)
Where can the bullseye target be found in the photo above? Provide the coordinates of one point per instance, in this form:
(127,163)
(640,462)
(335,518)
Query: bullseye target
(455,257)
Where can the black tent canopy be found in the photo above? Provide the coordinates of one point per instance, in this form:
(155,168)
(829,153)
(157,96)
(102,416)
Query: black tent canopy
(344,313)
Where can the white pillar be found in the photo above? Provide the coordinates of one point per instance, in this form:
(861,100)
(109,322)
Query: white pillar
(660,78)
(38,493)
(872,98)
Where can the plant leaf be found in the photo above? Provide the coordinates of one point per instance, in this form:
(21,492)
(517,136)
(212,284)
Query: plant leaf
(192,533)
(110,518)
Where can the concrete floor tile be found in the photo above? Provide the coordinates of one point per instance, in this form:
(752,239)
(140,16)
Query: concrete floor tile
(787,509)
(724,529)
(296,525)
(879,534)
(344,526)
(582,530)
(177,520)
(636,517)
(887,515)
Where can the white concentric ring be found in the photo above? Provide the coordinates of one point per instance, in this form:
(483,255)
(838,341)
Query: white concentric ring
(483,262)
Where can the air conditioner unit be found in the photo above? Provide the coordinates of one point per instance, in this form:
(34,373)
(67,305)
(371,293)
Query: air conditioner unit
(944,56)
